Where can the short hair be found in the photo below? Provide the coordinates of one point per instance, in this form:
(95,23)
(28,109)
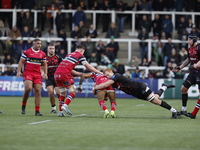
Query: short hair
(80,47)
(108,70)
(51,44)
(35,40)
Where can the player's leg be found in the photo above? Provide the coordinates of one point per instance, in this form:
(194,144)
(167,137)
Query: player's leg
(112,98)
(100,96)
(50,90)
(37,93)
(28,85)
(163,88)
(61,98)
(153,99)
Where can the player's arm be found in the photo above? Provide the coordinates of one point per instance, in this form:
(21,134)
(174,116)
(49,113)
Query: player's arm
(185,63)
(91,68)
(44,67)
(104,85)
(76,73)
(20,64)
(84,76)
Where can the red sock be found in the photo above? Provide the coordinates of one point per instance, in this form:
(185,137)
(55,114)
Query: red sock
(69,98)
(102,104)
(61,102)
(196,108)
(23,103)
(37,108)
(113,106)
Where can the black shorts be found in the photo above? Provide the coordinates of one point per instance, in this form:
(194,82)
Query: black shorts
(142,92)
(193,78)
(50,81)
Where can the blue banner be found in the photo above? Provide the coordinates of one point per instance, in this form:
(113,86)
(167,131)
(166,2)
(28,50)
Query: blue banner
(12,86)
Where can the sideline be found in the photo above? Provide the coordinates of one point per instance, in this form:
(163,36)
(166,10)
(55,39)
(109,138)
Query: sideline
(40,122)
(79,115)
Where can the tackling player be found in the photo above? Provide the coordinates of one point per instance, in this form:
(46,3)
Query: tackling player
(32,58)
(64,79)
(136,89)
(101,94)
(53,60)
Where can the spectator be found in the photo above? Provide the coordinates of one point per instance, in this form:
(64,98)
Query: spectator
(63,35)
(143,35)
(158,75)
(156,25)
(43,17)
(127,74)
(182,55)
(143,75)
(189,27)
(27,21)
(120,17)
(112,31)
(62,53)
(59,21)
(2,27)
(136,73)
(112,49)
(105,7)
(17,50)
(75,33)
(173,58)
(167,50)
(82,29)
(167,73)
(181,26)
(36,33)
(15,32)
(158,53)
(26,32)
(145,24)
(8,60)
(169,5)
(93,59)
(100,48)
(167,26)
(195,32)
(89,48)
(134,62)
(96,6)
(70,7)
(7,47)
(135,7)
(20,18)
(145,6)
(27,45)
(58,47)
(79,16)
(105,60)
(180,5)
(78,42)
(184,40)
(91,32)
(145,62)
(30,4)
(50,15)
(6,72)
(117,67)
(158,5)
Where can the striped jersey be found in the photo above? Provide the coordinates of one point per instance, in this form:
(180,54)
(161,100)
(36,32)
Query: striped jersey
(33,60)
(94,76)
(194,56)
(70,61)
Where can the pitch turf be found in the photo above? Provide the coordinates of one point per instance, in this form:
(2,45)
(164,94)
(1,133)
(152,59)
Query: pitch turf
(140,126)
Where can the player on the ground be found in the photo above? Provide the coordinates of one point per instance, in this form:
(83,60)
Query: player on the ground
(136,89)
(53,60)
(33,58)
(194,75)
(64,79)
(101,94)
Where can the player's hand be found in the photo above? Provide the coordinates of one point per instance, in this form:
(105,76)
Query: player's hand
(45,76)
(80,89)
(176,69)
(196,66)
(19,74)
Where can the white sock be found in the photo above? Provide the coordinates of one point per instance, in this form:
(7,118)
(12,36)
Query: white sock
(163,88)
(184,108)
(173,110)
(54,108)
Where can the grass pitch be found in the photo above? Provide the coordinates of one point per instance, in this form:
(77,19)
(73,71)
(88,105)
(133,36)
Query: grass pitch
(140,126)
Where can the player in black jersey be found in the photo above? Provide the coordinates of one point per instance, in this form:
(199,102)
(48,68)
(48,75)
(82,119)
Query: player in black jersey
(194,76)
(53,60)
(136,89)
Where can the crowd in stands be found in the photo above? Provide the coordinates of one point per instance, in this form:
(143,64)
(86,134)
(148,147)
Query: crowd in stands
(163,54)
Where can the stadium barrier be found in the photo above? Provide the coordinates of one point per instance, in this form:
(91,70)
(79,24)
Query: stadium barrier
(12,86)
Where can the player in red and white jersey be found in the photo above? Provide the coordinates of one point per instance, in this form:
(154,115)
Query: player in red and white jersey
(64,79)
(102,94)
(33,58)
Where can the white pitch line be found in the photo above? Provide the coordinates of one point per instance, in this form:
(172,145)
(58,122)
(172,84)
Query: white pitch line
(140,105)
(40,122)
(79,115)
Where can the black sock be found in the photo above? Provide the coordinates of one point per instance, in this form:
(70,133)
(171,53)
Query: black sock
(184,99)
(53,105)
(23,106)
(165,105)
(160,92)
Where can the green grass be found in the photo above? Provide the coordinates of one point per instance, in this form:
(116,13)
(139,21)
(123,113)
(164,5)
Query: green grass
(140,126)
